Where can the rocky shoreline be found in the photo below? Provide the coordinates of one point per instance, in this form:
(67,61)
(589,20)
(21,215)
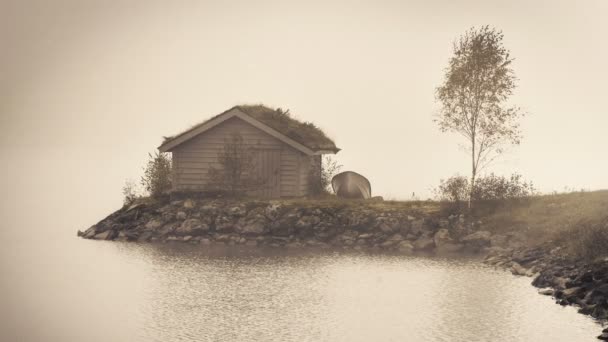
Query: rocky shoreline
(366,225)
(349,225)
(570,281)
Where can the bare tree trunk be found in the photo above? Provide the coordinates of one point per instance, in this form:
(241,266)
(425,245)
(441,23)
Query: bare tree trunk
(473,171)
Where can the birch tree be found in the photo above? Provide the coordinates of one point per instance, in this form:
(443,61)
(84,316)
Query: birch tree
(478,82)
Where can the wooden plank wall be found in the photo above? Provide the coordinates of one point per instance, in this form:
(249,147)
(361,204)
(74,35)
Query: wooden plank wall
(307,164)
(192,159)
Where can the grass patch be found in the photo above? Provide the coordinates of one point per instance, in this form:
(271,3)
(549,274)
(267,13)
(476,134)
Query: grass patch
(557,217)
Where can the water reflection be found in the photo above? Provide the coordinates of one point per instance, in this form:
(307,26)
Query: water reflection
(78,290)
(232,294)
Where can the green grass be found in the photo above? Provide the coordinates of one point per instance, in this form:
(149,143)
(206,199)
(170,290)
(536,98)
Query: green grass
(548,214)
(303,132)
(577,221)
(418,207)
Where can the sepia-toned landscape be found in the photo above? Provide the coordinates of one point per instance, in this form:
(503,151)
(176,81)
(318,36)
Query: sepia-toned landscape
(304,171)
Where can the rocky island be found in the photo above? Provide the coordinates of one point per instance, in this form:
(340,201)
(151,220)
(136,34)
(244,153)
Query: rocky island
(388,226)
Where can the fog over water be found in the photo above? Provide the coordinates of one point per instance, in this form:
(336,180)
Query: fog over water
(88,88)
(57,287)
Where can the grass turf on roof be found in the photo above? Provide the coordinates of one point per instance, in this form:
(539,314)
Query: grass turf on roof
(306,133)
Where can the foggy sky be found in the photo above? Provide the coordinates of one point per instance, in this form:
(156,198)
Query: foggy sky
(88,88)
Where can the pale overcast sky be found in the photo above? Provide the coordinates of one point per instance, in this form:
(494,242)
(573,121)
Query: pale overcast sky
(88,88)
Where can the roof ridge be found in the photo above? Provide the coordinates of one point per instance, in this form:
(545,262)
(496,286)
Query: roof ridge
(302,132)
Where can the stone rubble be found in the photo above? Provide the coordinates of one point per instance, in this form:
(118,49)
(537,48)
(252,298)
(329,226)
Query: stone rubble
(283,223)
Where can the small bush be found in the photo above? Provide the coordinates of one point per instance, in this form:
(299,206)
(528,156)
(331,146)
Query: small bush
(236,173)
(492,187)
(319,178)
(487,188)
(454,189)
(157,175)
(131,192)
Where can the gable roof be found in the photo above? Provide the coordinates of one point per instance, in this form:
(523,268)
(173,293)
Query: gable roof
(303,136)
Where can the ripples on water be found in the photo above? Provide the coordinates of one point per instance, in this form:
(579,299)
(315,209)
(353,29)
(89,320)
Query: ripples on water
(258,295)
(120,291)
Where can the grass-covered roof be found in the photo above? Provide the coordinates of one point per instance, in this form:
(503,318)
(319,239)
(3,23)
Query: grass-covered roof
(305,133)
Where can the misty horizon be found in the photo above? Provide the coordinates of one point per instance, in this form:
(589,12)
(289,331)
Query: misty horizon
(101,84)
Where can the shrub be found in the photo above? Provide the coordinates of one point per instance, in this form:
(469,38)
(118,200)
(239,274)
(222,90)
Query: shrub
(157,175)
(490,187)
(131,192)
(237,168)
(319,178)
(454,189)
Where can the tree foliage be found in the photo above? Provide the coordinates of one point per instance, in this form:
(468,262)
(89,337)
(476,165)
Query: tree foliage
(236,173)
(478,83)
(157,174)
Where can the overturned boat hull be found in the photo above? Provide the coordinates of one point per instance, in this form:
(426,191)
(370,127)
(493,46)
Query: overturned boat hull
(350,184)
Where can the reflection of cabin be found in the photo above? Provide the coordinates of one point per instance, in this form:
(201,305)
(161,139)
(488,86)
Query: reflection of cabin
(287,150)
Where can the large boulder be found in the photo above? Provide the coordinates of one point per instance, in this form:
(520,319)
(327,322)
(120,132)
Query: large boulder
(442,237)
(307,222)
(189,204)
(392,241)
(348,237)
(601,290)
(444,243)
(417,227)
(285,225)
(424,243)
(166,229)
(153,224)
(252,227)
(325,232)
(387,225)
(237,210)
(499,240)
(405,247)
(517,269)
(253,224)
(478,239)
(355,219)
(89,233)
(193,227)
(145,236)
(272,211)
(107,235)
(225,223)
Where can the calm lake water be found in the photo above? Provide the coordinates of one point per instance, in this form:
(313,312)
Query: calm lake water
(68,289)
(57,287)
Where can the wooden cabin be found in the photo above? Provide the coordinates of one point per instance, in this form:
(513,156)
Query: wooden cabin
(287,151)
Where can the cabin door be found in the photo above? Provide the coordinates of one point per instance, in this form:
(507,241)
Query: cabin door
(268,166)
